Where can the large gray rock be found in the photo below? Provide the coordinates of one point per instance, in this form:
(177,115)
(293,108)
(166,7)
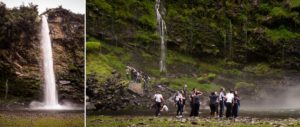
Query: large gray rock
(136,88)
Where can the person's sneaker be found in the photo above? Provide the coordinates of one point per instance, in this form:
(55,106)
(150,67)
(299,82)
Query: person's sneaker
(180,116)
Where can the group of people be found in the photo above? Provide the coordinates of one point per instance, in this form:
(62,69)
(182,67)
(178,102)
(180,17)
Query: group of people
(217,102)
(230,100)
(136,76)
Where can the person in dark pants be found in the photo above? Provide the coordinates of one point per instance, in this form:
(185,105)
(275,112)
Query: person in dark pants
(229,103)
(221,102)
(213,104)
(183,93)
(236,105)
(180,103)
(196,103)
(193,93)
(158,98)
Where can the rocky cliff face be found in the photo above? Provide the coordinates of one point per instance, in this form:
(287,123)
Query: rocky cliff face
(20,62)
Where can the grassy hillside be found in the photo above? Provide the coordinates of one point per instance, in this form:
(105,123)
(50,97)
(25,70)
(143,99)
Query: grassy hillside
(240,45)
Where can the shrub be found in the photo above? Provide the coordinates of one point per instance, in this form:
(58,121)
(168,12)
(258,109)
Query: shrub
(93,46)
(206,78)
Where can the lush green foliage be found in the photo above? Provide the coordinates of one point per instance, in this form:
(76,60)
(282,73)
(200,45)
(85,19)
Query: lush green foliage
(295,3)
(15,22)
(93,46)
(281,34)
(236,31)
(178,83)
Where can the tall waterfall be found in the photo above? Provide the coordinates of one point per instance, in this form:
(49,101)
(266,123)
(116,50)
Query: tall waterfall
(50,93)
(162,30)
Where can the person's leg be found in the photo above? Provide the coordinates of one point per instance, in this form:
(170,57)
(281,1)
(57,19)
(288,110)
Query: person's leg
(181,109)
(217,109)
(237,111)
(158,106)
(192,109)
(211,109)
(196,110)
(234,111)
(221,109)
(228,110)
(178,108)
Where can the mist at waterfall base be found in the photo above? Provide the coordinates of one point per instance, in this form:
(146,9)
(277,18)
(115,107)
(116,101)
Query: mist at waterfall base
(283,97)
(50,91)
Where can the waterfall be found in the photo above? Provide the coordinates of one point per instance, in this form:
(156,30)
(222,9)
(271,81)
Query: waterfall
(230,41)
(225,46)
(162,29)
(50,93)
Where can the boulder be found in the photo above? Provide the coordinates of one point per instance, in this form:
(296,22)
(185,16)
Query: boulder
(63,82)
(136,88)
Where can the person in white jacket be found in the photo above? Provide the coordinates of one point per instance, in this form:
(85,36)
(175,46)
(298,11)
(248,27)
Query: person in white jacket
(158,98)
(229,101)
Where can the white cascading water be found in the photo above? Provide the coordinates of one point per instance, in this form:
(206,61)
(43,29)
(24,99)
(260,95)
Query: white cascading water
(162,29)
(50,93)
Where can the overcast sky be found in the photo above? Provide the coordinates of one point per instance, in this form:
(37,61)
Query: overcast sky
(76,6)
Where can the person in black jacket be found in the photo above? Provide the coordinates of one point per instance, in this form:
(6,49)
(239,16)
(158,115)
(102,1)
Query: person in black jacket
(213,104)
(196,103)
(236,105)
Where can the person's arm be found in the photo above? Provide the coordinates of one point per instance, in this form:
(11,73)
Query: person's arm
(162,99)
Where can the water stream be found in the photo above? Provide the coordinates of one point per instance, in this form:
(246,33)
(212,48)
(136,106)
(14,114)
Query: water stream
(162,30)
(50,90)
(49,77)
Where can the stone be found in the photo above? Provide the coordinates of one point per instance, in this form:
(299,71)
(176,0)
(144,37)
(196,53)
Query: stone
(194,122)
(136,88)
(63,82)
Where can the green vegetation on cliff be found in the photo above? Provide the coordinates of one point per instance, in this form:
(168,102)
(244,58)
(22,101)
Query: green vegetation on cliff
(246,32)
(18,28)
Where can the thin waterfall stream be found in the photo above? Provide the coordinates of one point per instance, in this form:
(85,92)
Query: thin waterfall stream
(162,30)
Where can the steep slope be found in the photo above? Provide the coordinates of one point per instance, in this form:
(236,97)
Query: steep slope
(244,45)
